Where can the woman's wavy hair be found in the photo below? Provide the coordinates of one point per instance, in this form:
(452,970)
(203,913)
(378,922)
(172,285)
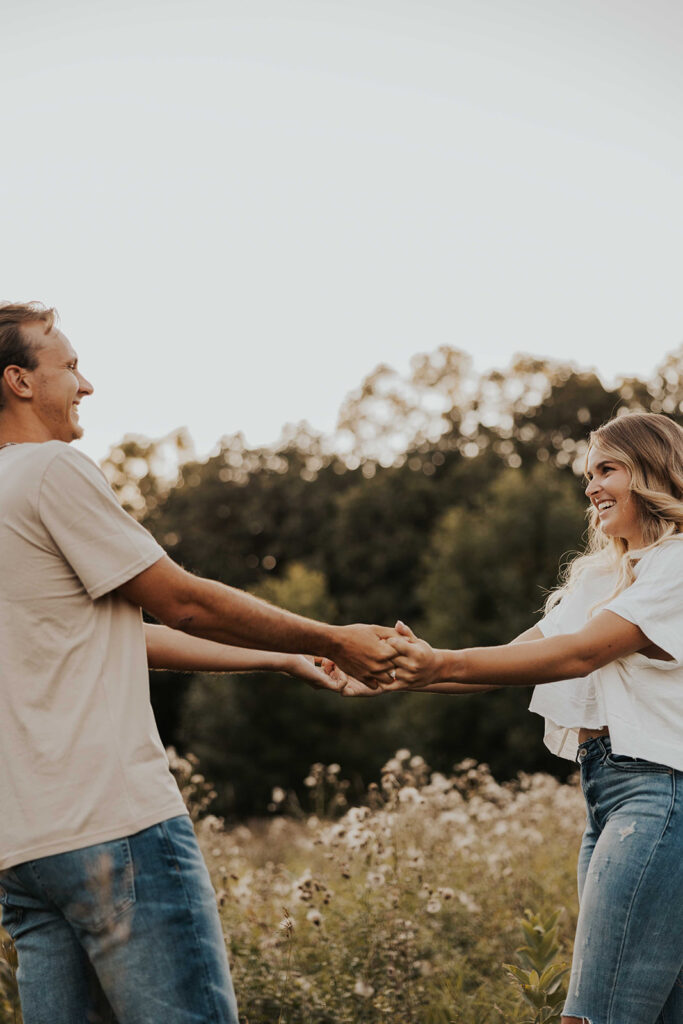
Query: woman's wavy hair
(651,447)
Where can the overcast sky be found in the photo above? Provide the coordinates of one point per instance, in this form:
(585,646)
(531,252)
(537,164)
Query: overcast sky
(241,207)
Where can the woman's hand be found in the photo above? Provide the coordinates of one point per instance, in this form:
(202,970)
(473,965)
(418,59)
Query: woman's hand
(309,669)
(417,664)
(323,674)
(345,685)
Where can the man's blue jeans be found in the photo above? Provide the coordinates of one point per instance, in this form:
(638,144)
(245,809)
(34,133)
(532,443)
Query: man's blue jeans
(124,932)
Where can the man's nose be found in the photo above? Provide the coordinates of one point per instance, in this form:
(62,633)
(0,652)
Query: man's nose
(85,385)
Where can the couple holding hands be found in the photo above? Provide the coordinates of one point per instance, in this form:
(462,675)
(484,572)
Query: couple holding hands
(102,884)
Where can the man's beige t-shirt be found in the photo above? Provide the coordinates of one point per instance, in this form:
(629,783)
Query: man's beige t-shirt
(81,761)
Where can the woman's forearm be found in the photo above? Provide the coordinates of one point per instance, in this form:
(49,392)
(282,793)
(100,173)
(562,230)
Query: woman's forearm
(527,664)
(450,686)
(177,651)
(605,638)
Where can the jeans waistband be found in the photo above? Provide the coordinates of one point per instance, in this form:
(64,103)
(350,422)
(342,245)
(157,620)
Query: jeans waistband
(597,746)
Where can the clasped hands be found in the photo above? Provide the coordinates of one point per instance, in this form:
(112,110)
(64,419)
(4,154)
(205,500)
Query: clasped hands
(375,660)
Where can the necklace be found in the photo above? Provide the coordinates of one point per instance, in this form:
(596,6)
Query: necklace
(6,444)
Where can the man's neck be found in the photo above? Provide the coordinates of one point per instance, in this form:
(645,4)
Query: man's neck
(19,431)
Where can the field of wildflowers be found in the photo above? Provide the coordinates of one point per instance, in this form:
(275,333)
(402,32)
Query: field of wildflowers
(403,910)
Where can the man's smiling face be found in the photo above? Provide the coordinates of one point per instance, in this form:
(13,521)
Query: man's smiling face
(58,385)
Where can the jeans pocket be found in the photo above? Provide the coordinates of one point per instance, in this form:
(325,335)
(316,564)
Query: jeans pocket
(12,911)
(92,886)
(624,763)
(11,918)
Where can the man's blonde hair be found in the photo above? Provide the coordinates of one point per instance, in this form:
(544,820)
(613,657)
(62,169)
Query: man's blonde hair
(15,350)
(651,447)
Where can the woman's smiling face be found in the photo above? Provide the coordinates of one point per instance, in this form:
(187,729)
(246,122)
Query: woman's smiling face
(609,491)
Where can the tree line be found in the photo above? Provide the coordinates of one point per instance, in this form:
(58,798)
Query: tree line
(446,499)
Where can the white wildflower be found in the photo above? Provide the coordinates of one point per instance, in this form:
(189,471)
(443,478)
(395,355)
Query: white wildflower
(358,838)
(415,857)
(409,795)
(424,967)
(242,834)
(433,906)
(361,988)
(469,903)
(438,783)
(315,917)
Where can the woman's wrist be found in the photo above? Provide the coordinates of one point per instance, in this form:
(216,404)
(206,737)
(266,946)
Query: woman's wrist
(450,666)
(279,662)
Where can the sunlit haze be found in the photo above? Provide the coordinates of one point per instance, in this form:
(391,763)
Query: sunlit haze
(240,208)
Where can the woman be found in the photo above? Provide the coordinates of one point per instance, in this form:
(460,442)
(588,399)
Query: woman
(607,661)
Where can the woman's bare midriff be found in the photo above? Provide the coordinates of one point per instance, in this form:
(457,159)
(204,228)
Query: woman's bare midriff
(589,734)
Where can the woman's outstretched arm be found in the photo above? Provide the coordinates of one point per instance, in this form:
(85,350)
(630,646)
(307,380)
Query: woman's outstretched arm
(543,660)
(451,686)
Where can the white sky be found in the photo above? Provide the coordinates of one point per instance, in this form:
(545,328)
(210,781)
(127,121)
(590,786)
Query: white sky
(240,207)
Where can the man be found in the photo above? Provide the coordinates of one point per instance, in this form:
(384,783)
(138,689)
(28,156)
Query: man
(103,888)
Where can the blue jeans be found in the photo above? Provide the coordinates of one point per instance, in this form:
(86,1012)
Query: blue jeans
(628,952)
(124,932)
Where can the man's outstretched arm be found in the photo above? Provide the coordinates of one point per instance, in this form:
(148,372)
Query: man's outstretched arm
(206,608)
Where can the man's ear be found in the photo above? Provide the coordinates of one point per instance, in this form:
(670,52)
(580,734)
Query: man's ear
(16,380)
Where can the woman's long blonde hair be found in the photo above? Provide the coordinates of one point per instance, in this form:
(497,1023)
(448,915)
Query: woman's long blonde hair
(651,448)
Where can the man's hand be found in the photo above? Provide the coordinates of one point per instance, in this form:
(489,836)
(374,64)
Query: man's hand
(365,653)
(417,664)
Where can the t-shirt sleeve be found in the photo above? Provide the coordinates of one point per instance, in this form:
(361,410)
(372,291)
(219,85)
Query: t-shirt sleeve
(102,543)
(654,601)
(549,625)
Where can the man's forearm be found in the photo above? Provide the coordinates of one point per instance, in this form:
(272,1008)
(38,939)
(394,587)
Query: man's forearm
(214,611)
(229,616)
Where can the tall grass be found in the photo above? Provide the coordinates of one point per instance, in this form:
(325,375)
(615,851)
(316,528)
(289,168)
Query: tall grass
(404,910)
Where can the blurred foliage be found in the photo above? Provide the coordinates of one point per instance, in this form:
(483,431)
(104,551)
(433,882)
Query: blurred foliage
(445,498)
